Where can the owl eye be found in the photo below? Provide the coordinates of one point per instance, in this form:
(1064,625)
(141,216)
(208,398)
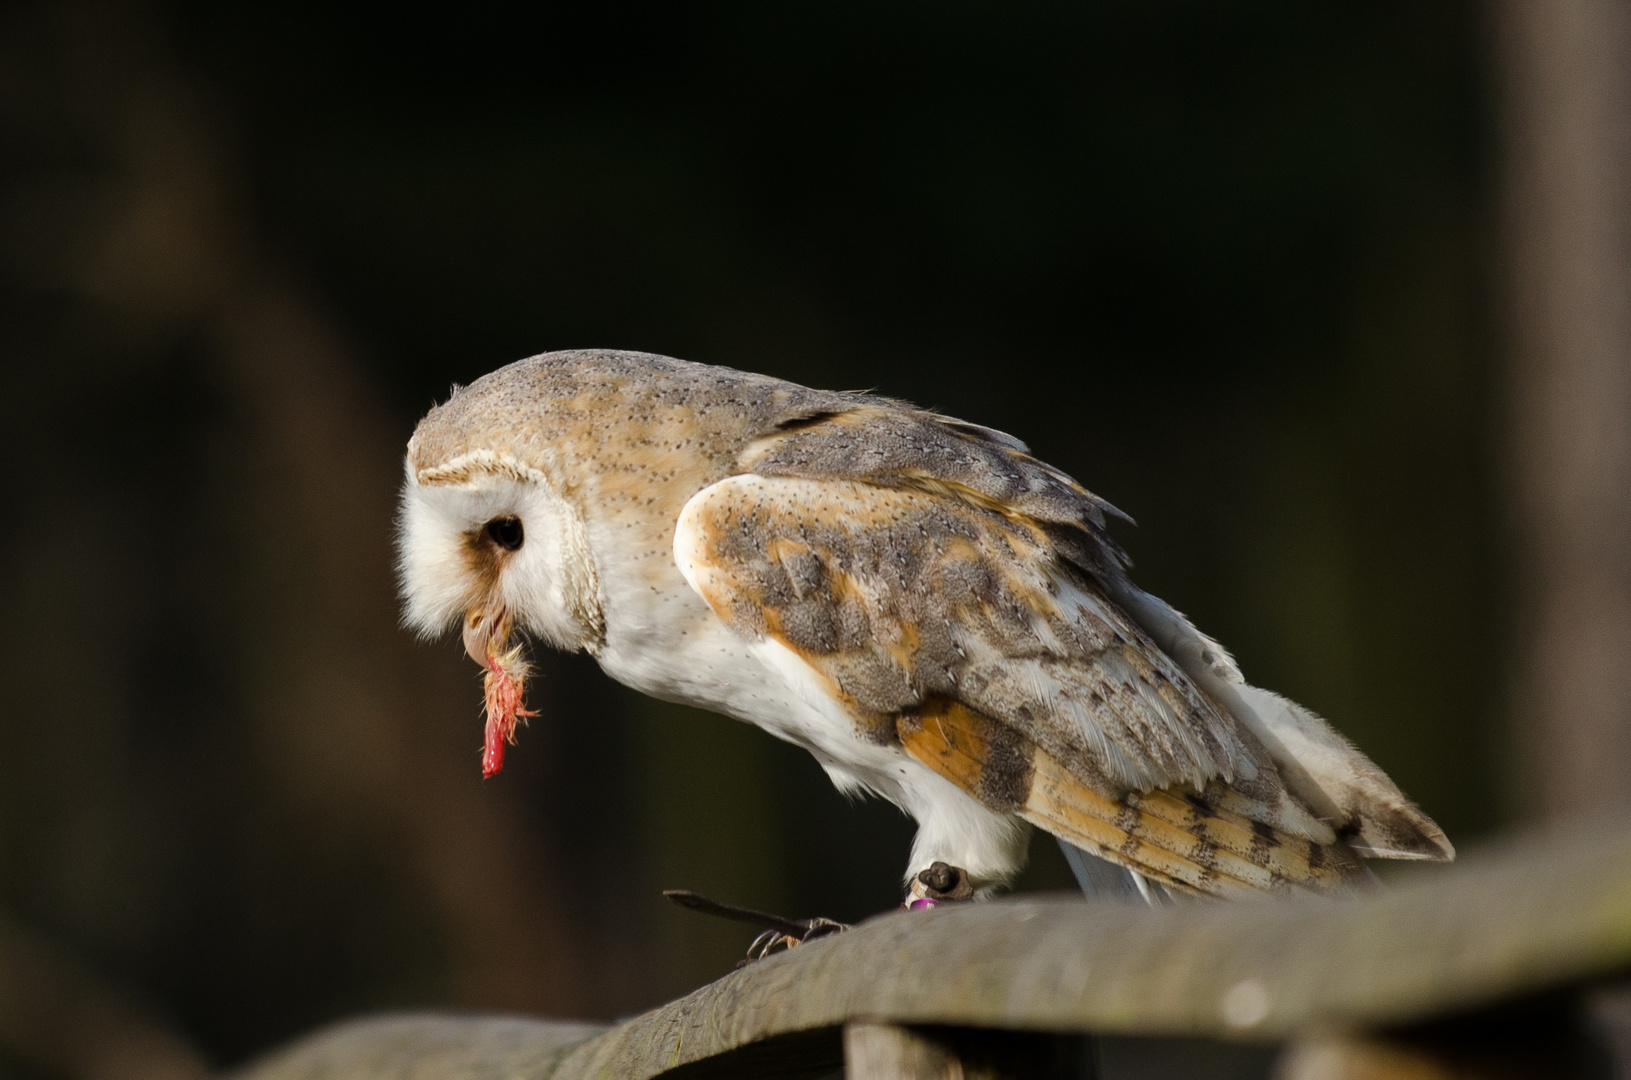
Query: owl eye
(506,532)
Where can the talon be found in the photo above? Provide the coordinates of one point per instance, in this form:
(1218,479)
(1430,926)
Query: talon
(764,945)
(775,941)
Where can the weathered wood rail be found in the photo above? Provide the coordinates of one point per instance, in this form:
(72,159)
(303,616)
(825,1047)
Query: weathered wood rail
(1470,970)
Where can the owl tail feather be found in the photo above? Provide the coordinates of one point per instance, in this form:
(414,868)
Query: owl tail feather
(1211,842)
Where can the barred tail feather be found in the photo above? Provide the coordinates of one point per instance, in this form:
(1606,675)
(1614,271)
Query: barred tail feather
(1212,842)
(1185,842)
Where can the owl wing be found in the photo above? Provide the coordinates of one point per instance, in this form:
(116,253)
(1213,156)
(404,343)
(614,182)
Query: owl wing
(891,445)
(959,628)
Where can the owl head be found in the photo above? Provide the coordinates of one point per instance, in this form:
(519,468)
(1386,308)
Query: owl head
(486,541)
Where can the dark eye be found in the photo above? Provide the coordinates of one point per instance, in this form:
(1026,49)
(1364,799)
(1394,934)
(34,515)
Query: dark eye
(506,532)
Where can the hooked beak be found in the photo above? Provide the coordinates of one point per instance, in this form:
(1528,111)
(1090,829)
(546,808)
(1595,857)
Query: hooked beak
(487,634)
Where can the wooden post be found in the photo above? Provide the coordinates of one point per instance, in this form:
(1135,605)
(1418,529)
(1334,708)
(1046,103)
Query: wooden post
(893,1052)
(1477,969)
(880,1051)
(1359,1058)
(1565,75)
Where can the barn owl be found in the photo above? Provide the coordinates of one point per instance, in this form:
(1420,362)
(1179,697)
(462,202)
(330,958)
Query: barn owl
(936,615)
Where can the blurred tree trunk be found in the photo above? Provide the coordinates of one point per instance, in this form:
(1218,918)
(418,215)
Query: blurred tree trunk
(1565,70)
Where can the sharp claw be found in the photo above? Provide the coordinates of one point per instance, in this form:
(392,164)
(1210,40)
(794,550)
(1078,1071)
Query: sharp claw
(764,943)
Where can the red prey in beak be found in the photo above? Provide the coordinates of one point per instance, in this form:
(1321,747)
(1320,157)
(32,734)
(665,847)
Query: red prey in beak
(487,640)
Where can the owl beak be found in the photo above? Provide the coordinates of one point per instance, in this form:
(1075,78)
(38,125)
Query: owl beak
(486,633)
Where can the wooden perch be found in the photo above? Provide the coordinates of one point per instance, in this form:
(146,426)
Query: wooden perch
(1545,912)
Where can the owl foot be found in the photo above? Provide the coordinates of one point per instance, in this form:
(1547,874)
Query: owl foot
(941,883)
(775,940)
(780,933)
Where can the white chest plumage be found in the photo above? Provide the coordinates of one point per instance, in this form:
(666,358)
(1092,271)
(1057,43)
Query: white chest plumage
(662,640)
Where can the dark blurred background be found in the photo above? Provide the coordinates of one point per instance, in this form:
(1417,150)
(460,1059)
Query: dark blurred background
(1296,286)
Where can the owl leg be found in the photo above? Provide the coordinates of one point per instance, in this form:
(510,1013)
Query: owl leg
(941,883)
(963,849)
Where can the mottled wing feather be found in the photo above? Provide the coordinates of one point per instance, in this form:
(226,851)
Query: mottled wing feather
(1326,772)
(889,444)
(899,595)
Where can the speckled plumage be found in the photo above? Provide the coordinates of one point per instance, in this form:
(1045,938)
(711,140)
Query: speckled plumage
(935,614)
